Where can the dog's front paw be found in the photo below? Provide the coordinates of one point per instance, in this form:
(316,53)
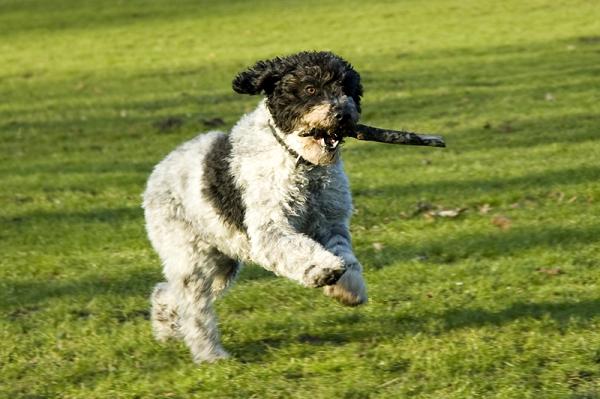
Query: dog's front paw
(315,276)
(350,289)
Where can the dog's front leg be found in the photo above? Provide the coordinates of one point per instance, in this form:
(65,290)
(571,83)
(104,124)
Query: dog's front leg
(350,288)
(278,247)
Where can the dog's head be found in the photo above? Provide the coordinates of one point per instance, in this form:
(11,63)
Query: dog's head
(314,98)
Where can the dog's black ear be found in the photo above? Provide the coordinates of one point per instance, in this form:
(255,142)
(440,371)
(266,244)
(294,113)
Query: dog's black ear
(352,85)
(262,77)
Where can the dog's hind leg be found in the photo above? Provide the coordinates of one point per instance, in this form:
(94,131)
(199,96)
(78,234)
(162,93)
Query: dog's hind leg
(195,277)
(195,296)
(165,320)
(183,306)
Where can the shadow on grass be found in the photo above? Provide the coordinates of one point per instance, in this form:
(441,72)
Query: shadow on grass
(22,296)
(482,245)
(72,15)
(475,187)
(88,166)
(66,234)
(358,328)
(55,219)
(563,313)
(17,295)
(66,227)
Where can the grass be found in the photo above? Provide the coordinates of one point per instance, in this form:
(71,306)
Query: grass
(502,301)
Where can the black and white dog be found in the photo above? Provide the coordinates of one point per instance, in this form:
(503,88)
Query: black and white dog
(272,192)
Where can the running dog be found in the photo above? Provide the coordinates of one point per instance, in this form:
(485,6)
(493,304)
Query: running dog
(273,192)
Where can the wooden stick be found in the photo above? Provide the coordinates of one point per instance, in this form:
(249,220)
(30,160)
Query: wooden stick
(369,133)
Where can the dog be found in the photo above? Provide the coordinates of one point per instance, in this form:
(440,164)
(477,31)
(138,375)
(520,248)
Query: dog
(273,192)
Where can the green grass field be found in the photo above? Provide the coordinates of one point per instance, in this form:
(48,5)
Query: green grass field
(502,301)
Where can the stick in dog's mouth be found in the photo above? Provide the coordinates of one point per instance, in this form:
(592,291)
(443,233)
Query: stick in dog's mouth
(369,133)
(331,140)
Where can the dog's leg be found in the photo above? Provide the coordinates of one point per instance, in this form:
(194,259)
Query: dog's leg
(278,247)
(165,317)
(165,320)
(197,321)
(350,289)
(183,306)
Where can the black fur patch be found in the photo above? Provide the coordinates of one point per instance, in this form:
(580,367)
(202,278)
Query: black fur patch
(219,186)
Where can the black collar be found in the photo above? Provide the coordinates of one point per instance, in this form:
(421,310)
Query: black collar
(299,159)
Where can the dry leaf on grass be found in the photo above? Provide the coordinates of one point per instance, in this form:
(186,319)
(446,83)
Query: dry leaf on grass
(554,271)
(431,211)
(502,222)
(377,246)
(559,196)
(485,209)
(449,213)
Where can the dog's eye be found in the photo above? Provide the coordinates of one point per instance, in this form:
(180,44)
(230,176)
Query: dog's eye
(310,90)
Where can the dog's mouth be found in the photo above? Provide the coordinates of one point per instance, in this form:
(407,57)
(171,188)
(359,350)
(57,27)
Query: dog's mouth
(328,140)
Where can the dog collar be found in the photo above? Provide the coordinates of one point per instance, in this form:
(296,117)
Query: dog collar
(291,151)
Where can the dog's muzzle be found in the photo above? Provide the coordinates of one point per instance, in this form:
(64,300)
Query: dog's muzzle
(329,141)
(329,128)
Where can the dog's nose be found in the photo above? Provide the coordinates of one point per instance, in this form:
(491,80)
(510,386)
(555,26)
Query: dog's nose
(341,116)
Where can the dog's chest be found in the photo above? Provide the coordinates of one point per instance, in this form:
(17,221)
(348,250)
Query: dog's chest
(305,201)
